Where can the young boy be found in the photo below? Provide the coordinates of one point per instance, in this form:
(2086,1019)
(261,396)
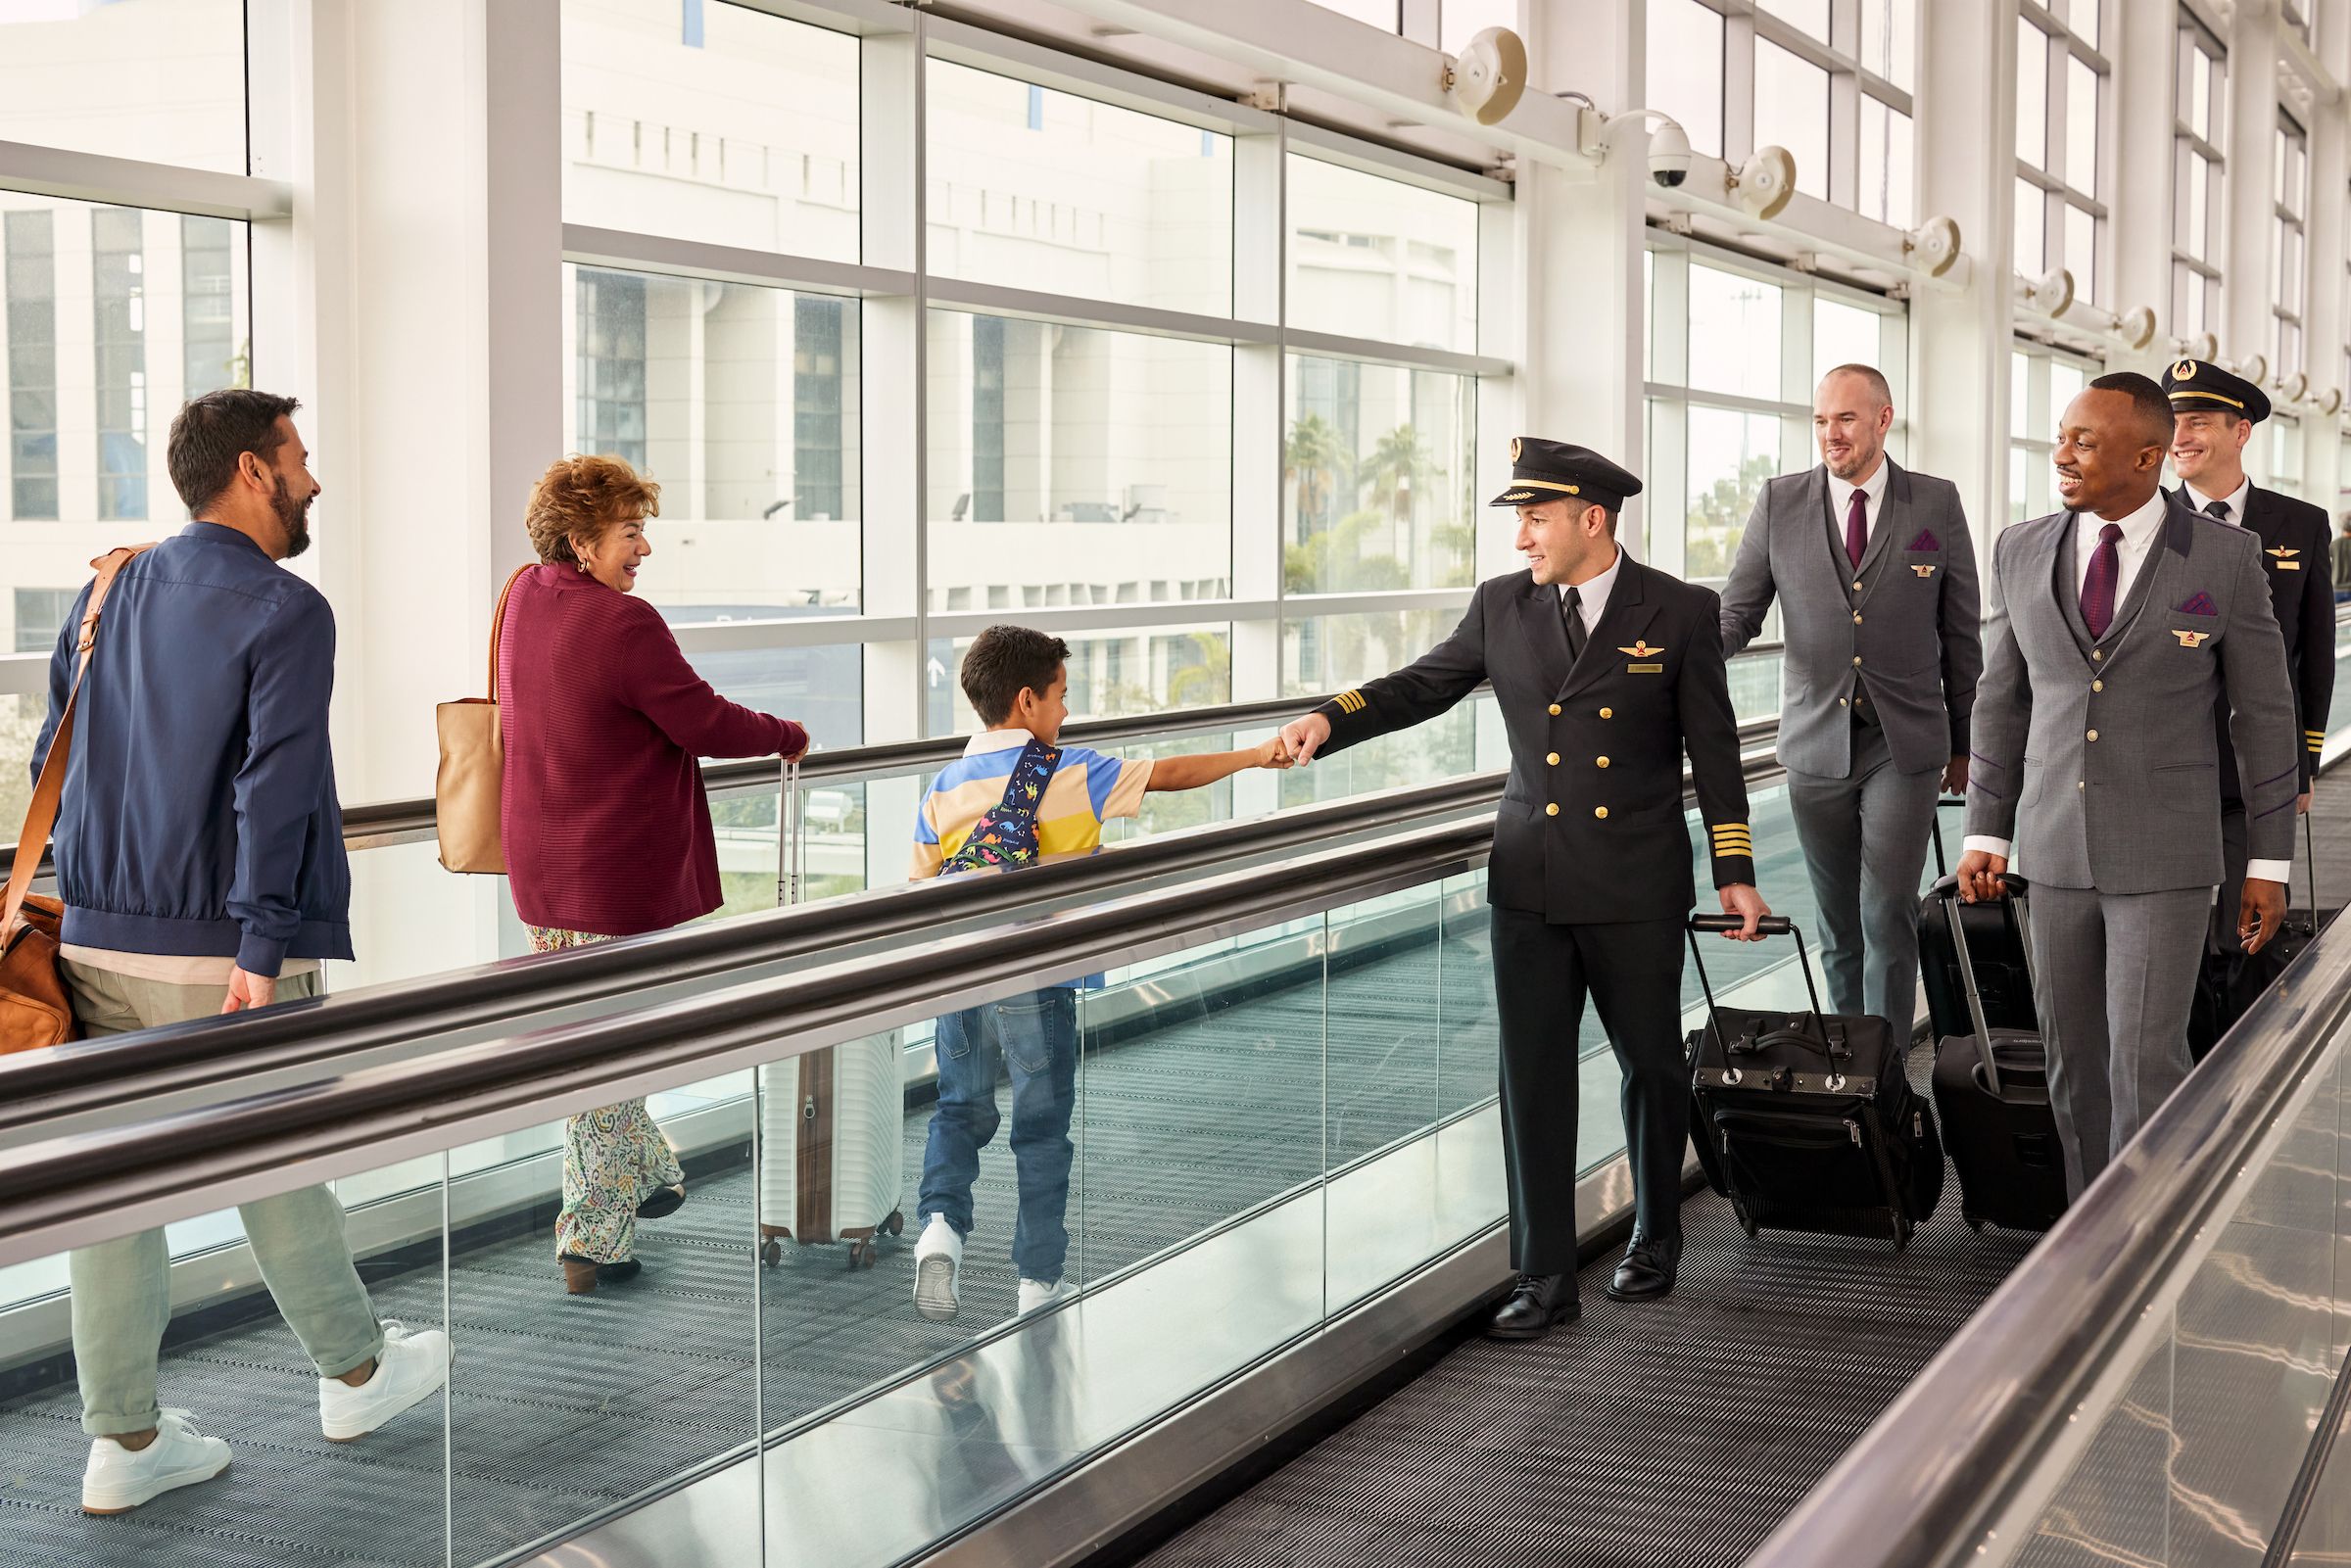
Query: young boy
(1017,798)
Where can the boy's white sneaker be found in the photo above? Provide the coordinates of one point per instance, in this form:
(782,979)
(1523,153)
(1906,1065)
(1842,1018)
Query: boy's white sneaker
(1036,1294)
(937,1257)
(116,1480)
(408,1369)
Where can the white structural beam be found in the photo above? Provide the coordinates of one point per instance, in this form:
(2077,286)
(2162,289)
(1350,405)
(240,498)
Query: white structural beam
(134,182)
(1580,236)
(1297,42)
(1958,417)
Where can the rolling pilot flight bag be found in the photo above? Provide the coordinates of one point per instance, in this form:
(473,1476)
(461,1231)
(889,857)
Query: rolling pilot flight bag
(832,1121)
(2230,983)
(2002,974)
(1807,1122)
(1991,1086)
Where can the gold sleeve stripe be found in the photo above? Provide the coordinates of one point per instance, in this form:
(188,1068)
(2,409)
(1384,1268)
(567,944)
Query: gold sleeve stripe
(1351,702)
(1730,827)
(1726,840)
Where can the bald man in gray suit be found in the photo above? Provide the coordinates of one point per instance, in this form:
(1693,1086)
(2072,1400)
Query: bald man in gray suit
(2117,626)
(1876,580)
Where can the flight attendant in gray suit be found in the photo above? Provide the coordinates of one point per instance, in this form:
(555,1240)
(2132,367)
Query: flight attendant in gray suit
(1875,579)
(2116,626)
(1605,673)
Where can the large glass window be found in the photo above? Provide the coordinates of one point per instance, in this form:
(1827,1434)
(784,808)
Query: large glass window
(2292,194)
(1373,257)
(1376,466)
(1730,390)
(735,398)
(2042,382)
(1832,83)
(1039,189)
(162,81)
(1071,465)
(112,317)
(714,122)
(2199,129)
(2063,115)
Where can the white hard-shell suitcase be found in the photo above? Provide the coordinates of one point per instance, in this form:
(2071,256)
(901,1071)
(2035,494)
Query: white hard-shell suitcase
(831,1122)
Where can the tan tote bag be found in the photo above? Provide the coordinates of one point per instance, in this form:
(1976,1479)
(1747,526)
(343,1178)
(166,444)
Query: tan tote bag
(473,766)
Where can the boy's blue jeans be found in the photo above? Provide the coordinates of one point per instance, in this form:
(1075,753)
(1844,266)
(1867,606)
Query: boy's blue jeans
(1035,1037)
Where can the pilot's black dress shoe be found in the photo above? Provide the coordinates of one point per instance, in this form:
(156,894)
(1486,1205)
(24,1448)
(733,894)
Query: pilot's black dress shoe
(1648,1268)
(1538,1301)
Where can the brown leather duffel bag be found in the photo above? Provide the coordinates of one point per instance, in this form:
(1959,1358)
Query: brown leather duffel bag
(34,1010)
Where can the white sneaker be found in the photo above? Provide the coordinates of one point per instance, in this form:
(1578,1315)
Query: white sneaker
(937,1257)
(1035,1294)
(408,1369)
(116,1480)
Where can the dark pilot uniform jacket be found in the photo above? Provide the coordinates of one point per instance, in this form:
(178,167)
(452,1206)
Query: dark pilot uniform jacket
(1591,828)
(2294,559)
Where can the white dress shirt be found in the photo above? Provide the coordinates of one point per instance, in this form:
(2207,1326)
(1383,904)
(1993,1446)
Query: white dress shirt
(2236,499)
(2137,544)
(1594,594)
(1841,500)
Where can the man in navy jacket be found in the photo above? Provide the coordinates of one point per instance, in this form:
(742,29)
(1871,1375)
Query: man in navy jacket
(199,852)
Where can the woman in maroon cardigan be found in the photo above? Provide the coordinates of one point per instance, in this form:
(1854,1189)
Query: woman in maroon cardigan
(605,827)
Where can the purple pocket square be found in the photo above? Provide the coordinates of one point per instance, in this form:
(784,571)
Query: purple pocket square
(2201,605)
(1926,540)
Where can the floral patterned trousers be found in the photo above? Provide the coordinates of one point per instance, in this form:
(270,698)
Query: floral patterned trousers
(613,1158)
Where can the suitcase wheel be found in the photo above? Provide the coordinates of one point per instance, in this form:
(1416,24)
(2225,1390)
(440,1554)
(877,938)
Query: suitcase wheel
(771,1252)
(895,1225)
(1747,1222)
(862,1253)
(1972,1223)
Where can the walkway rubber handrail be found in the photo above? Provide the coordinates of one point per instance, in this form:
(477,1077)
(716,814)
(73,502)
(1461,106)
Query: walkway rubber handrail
(89,1075)
(1951,1459)
(77,1188)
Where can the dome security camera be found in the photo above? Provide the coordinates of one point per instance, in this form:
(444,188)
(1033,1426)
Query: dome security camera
(1668,154)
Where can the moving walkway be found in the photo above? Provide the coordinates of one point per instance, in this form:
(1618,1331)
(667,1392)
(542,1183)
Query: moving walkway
(1287,1187)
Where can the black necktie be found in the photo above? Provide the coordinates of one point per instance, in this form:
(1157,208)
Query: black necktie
(2218,509)
(1571,610)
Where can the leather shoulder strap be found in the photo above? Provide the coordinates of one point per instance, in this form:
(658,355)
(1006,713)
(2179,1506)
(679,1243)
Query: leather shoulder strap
(498,624)
(40,817)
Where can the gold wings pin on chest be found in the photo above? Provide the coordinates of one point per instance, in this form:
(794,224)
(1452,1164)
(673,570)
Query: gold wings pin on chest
(2285,558)
(1642,650)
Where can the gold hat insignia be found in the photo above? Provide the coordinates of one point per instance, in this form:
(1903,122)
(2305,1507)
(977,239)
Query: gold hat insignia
(2185,370)
(1513,449)
(1639,648)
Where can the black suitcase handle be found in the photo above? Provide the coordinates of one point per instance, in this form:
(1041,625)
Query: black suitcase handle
(1768,926)
(1948,884)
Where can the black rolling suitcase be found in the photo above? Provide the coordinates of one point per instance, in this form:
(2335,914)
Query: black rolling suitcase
(1992,1088)
(1807,1122)
(2232,982)
(1995,941)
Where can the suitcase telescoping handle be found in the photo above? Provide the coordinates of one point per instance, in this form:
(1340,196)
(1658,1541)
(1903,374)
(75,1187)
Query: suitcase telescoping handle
(787,837)
(1769,925)
(2018,891)
(1944,803)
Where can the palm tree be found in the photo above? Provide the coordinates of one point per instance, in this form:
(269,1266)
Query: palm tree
(1315,456)
(1208,682)
(1398,463)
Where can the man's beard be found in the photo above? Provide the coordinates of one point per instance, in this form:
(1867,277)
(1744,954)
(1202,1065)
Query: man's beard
(294,519)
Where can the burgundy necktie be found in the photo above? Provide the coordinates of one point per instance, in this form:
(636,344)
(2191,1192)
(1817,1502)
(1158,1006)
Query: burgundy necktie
(1856,536)
(2097,588)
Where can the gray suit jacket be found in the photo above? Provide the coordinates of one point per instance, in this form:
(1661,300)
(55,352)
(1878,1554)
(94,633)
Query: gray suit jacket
(1904,628)
(2097,759)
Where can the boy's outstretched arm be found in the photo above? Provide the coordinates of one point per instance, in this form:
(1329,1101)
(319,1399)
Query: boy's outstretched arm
(1207,766)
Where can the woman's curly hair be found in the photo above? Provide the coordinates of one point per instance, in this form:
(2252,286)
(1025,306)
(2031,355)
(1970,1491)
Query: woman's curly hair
(582,497)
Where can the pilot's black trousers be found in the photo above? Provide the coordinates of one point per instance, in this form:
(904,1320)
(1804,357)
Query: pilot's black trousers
(1632,970)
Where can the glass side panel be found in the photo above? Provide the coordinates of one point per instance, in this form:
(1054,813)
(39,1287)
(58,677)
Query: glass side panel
(2190,1461)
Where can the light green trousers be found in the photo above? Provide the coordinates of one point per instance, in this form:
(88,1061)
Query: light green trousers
(123,1288)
